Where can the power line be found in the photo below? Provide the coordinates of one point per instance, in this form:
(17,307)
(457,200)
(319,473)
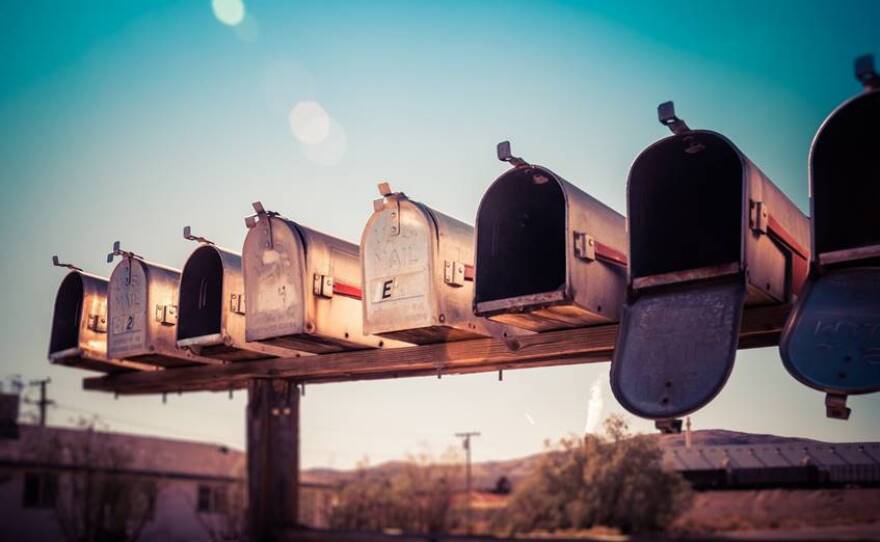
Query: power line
(44,401)
(466,443)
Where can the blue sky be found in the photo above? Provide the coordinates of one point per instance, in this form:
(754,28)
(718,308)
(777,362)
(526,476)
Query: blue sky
(128,120)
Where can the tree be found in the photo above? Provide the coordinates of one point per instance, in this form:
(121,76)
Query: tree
(614,480)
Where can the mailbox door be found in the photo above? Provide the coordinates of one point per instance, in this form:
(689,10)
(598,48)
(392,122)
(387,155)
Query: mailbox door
(128,308)
(676,346)
(831,341)
(399,245)
(274,269)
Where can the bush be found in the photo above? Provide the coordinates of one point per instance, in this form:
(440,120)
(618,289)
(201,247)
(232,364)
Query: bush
(615,481)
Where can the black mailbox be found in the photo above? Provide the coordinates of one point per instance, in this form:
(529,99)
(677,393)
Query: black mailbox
(831,341)
(709,233)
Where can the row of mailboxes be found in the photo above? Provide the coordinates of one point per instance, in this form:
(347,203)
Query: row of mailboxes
(708,234)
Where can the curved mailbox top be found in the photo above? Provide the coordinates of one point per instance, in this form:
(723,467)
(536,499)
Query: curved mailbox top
(418,272)
(709,233)
(211,307)
(303,288)
(549,256)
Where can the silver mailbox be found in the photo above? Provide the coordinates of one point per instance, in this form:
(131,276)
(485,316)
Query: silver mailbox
(709,233)
(418,273)
(831,341)
(303,288)
(211,306)
(79,324)
(549,256)
(142,313)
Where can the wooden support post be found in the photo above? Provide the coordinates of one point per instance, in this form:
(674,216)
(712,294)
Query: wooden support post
(273,458)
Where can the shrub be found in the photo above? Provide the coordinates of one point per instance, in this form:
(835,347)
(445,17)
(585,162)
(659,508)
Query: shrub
(615,480)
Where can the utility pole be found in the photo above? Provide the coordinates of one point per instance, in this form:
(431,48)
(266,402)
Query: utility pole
(466,443)
(44,402)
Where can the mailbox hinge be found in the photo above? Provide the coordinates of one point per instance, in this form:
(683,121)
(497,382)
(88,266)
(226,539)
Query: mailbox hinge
(236,303)
(456,273)
(759,216)
(97,323)
(166,314)
(835,406)
(587,248)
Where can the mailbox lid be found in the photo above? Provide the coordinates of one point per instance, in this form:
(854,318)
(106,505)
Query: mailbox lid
(273,260)
(79,320)
(686,205)
(845,182)
(399,246)
(676,347)
(831,341)
(142,306)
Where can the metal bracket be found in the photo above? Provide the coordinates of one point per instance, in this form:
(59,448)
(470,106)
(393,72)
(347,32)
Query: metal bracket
(865,72)
(669,427)
(236,303)
(166,314)
(187,234)
(322,285)
(58,263)
(584,246)
(666,116)
(97,323)
(119,252)
(453,273)
(502,150)
(835,406)
(759,216)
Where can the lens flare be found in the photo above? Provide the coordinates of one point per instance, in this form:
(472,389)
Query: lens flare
(309,122)
(228,12)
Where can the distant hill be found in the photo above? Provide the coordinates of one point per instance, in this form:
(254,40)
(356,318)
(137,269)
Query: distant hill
(486,473)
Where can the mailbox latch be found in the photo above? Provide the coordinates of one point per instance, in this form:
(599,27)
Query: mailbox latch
(453,273)
(584,246)
(323,285)
(236,303)
(166,314)
(759,216)
(97,323)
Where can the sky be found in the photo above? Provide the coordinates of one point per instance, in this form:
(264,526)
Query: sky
(128,120)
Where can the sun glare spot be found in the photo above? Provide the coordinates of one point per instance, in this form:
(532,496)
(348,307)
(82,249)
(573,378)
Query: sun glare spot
(309,122)
(229,12)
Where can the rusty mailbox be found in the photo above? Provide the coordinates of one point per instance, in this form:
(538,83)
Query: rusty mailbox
(211,306)
(142,312)
(303,288)
(709,233)
(549,256)
(79,324)
(418,273)
(831,341)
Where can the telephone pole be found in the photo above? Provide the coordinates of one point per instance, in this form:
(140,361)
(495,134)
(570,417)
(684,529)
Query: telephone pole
(466,443)
(44,402)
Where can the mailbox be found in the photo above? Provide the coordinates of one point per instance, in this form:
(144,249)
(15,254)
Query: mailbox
(709,233)
(303,288)
(549,256)
(831,341)
(79,324)
(418,273)
(211,306)
(142,313)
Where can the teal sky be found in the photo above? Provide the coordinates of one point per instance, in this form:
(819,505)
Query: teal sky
(128,120)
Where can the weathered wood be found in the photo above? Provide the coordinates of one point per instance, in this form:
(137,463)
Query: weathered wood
(272,457)
(761,327)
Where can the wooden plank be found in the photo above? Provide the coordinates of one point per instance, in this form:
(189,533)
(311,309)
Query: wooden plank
(761,327)
(272,457)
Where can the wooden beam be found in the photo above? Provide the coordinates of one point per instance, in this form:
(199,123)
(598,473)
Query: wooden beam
(761,327)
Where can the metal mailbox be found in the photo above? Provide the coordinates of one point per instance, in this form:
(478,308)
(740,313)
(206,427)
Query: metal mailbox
(211,306)
(418,273)
(79,324)
(831,341)
(303,288)
(709,233)
(549,256)
(142,313)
